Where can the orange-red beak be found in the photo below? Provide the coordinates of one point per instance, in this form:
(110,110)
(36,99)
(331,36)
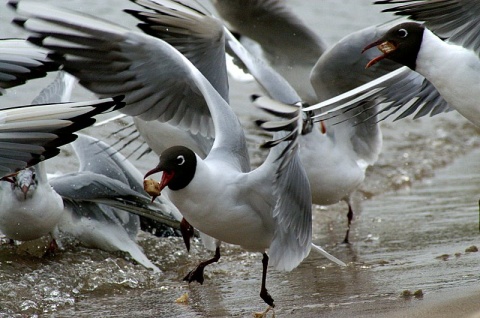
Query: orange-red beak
(386,47)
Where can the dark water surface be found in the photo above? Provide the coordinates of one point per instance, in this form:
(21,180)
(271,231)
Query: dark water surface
(419,214)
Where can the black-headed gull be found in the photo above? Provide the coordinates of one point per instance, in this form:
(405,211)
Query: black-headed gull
(30,207)
(268,208)
(346,150)
(452,66)
(444,49)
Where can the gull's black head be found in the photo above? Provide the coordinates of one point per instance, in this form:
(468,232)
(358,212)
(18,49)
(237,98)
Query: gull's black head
(400,44)
(178,165)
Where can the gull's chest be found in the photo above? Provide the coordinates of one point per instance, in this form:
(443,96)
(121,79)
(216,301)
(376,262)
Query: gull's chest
(228,207)
(31,218)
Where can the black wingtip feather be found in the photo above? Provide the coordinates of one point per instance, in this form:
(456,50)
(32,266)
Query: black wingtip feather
(37,40)
(19,22)
(260,122)
(13,4)
(254,97)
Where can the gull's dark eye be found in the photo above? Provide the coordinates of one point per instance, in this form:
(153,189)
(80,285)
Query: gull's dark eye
(402,33)
(180,160)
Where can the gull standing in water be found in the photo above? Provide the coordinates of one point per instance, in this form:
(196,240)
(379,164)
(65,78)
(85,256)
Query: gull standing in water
(88,205)
(28,136)
(268,208)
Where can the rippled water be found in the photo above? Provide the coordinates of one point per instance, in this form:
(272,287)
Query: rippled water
(419,214)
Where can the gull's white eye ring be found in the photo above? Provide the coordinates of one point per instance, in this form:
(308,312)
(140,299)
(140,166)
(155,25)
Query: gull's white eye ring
(180,160)
(402,33)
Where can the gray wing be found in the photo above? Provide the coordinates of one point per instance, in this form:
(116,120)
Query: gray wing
(190,29)
(201,38)
(97,157)
(30,134)
(20,61)
(98,189)
(293,215)
(286,42)
(455,20)
(154,76)
(402,90)
(260,19)
(109,59)
(293,201)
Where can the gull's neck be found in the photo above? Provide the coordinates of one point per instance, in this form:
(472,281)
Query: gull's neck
(455,73)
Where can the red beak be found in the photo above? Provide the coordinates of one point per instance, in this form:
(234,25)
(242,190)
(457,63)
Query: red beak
(153,171)
(384,46)
(166,177)
(368,47)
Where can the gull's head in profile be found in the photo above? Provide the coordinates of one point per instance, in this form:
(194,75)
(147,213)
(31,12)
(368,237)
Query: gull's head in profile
(178,165)
(400,44)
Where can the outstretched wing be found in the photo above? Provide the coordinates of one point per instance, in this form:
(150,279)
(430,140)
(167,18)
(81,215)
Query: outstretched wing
(108,59)
(293,200)
(154,77)
(286,42)
(21,61)
(402,89)
(190,29)
(30,134)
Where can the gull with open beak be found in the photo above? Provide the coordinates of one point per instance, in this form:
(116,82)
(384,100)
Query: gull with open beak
(441,59)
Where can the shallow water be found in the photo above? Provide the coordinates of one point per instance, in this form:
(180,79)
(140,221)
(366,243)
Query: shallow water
(419,213)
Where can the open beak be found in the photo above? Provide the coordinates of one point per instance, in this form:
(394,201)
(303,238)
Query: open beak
(386,47)
(166,177)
